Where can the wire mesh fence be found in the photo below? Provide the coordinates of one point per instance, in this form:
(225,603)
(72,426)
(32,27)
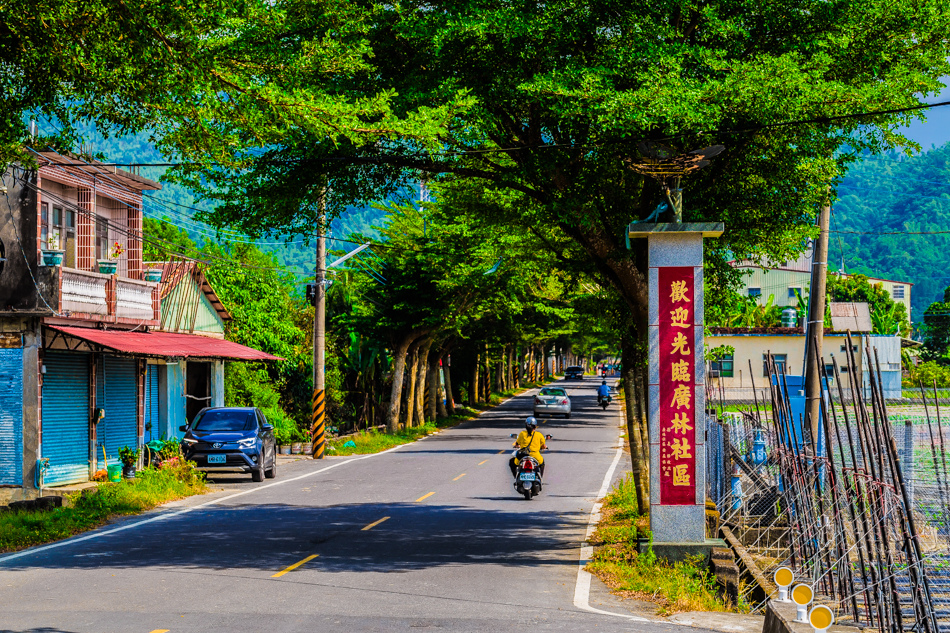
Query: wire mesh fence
(856,504)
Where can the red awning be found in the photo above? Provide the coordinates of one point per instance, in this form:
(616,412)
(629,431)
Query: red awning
(165,344)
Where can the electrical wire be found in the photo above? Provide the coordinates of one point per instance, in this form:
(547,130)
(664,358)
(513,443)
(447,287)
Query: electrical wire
(472,152)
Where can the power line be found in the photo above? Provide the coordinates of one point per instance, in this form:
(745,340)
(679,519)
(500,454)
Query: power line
(495,150)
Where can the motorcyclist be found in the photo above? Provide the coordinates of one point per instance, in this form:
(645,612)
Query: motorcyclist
(532,441)
(603,391)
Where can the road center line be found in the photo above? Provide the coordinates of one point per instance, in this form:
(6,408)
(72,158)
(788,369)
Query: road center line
(295,566)
(171,515)
(459,477)
(502,451)
(160,631)
(482,462)
(424,497)
(374,524)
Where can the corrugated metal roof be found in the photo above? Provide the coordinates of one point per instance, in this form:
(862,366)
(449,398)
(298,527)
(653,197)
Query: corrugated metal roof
(165,344)
(855,317)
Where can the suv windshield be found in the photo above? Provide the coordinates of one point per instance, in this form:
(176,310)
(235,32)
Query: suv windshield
(553,392)
(575,368)
(226,421)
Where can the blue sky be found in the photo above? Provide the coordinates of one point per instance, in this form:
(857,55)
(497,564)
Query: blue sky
(935,131)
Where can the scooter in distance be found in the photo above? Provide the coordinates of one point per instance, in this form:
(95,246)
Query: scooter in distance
(603,401)
(527,473)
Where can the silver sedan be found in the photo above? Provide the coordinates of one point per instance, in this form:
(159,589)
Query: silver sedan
(552,401)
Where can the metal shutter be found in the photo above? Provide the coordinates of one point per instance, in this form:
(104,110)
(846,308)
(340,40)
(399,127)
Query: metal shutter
(66,417)
(119,399)
(11,416)
(152,430)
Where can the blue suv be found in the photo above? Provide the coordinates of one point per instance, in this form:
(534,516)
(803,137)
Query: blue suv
(231,438)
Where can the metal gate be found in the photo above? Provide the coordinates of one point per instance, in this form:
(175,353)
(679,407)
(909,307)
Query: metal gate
(152,430)
(66,416)
(117,395)
(11,416)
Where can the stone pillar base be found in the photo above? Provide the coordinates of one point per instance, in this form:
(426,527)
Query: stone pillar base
(679,552)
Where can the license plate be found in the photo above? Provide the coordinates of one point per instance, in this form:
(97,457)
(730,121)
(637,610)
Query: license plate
(527,476)
(217,459)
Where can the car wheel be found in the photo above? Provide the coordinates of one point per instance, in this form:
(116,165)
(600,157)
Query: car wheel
(257,474)
(567,416)
(271,472)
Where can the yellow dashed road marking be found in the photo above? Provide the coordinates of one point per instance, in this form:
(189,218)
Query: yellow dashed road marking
(292,567)
(482,462)
(423,497)
(459,477)
(374,524)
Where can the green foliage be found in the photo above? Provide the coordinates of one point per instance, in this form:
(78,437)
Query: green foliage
(887,316)
(248,385)
(747,312)
(936,330)
(92,508)
(128,455)
(925,373)
(164,241)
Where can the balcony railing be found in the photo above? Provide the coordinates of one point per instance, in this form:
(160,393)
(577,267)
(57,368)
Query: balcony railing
(109,298)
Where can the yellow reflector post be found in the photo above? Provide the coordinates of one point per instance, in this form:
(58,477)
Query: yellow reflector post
(802,595)
(821,617)
(783,577)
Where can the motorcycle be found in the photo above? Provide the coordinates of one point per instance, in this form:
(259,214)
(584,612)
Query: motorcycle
(603,401)
(528,473)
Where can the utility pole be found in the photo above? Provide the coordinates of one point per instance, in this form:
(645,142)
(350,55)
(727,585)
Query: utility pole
(319,401)
(814,328)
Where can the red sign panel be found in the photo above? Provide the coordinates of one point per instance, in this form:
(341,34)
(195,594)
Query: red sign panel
(677,386)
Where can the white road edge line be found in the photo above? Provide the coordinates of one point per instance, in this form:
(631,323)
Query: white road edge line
(582,587)
(171,515)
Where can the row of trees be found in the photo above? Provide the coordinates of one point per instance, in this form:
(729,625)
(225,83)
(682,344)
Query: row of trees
(530,114)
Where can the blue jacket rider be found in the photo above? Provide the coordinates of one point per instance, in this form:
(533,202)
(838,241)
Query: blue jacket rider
(603,390)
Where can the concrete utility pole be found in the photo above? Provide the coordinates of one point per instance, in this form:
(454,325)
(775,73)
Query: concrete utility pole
(814,328)
(319,401)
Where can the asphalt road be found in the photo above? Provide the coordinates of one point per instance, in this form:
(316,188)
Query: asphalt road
(431,535)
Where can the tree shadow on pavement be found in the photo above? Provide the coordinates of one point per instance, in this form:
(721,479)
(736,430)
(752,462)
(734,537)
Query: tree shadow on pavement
(270,537)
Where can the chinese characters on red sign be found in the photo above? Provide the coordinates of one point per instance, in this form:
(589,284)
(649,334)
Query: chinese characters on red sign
(677,386)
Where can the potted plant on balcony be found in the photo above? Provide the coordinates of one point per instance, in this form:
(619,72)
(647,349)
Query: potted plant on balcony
(153,274)
(109,266)
(129,457)
(52,254)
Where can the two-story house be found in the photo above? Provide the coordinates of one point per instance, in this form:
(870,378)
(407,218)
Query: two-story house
(97,349)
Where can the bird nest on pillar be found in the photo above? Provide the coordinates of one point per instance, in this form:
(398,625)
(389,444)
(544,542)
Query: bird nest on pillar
(668,166)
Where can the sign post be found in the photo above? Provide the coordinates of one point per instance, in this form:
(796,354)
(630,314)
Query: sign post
(676,385)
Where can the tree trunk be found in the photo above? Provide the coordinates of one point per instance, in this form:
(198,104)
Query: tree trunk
(421,383)
(435,388)
(412,371)
(473,385)
(449,392)
(634,409)
(519,375)
(399,368)
(500,373)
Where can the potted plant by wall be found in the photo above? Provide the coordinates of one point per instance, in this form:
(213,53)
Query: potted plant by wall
(109,266)
(296,446)
(153,274)
(52,254)
(129,457)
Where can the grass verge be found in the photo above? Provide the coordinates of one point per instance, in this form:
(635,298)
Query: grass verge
(96,506)
(676,588)
(367,442)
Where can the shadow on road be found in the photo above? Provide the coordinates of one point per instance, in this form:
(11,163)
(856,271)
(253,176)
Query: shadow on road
(272,536)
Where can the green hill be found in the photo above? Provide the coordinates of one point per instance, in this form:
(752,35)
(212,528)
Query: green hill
(887,220)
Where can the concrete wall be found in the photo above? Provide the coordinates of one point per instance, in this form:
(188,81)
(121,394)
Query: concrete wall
(752,347)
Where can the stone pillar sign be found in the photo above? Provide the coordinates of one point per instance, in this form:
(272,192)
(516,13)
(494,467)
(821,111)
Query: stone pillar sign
(677,376)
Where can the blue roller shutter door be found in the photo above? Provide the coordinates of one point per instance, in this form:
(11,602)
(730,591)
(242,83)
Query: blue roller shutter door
(66,417)
(117,394)
(11,417)
(152,430)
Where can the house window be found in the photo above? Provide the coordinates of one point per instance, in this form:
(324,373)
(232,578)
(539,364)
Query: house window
(844,349)
(102,238)
(724,366)
(830,371)
(755,292)
(897,292)
(781,365)
(794,292)
(44,224)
